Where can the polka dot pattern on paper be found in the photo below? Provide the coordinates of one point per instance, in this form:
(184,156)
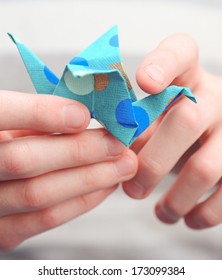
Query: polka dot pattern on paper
(142,118)
(114,42)
(124,114)
(96,78)
(79,86)
(50,76)
(79,61)
(101,81)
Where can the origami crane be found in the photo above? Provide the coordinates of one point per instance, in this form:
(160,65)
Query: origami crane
(96,78)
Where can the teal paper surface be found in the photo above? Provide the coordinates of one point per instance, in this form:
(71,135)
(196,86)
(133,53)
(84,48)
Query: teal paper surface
(96,78)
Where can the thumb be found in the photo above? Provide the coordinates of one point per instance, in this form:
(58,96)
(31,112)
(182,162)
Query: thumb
(175,60)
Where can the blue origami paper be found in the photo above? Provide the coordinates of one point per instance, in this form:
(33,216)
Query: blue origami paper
(96,78)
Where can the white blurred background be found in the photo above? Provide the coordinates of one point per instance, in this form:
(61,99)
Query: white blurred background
(120,228)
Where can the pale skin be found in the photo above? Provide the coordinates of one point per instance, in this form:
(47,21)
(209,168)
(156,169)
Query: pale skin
(47,180)
(175,61)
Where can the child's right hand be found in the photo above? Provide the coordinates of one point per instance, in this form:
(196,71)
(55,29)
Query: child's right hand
(47,179)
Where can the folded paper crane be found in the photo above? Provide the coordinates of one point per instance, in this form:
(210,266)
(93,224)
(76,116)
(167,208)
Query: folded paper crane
(96,78)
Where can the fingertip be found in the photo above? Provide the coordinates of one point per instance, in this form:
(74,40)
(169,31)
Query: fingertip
(194,221)
(151,78)
(190,223)
(133,159)
(133,190)
(174,56)
(164,214)
(87,116)
(76,117)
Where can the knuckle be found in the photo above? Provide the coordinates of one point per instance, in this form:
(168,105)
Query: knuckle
(49,219)
(100,176)
(203,169)
(39,108)
(172,208)
(91,178)
(81,151)
(32,198)
(14,162)
(188,117)
(151,167)
(84,203)
(47,113)
(78,151)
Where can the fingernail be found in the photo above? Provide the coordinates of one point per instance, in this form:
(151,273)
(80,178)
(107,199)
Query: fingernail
(135,190)
(165,215)
(155,72)
(125,166)
(114,147)
(194,222)
(74,116)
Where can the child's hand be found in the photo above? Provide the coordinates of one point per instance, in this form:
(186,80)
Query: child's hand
(175,61)
(46,179)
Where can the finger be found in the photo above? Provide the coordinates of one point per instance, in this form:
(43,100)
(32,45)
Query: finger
(176,56)
(47,190)
(24,133)
(32,156)
(16,228)
(12,134)
(42,112)
(180,128)
(145,136)
(201,172)
(208,213)
(5,135)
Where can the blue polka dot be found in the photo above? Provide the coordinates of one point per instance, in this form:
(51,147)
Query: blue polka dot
(50,76)
(79,61)
(114,42)
(142,119)
(124,114)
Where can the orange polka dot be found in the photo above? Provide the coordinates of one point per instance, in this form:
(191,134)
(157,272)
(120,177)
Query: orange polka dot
(101,81)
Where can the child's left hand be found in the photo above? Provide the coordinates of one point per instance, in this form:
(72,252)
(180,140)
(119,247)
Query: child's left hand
(175,61)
